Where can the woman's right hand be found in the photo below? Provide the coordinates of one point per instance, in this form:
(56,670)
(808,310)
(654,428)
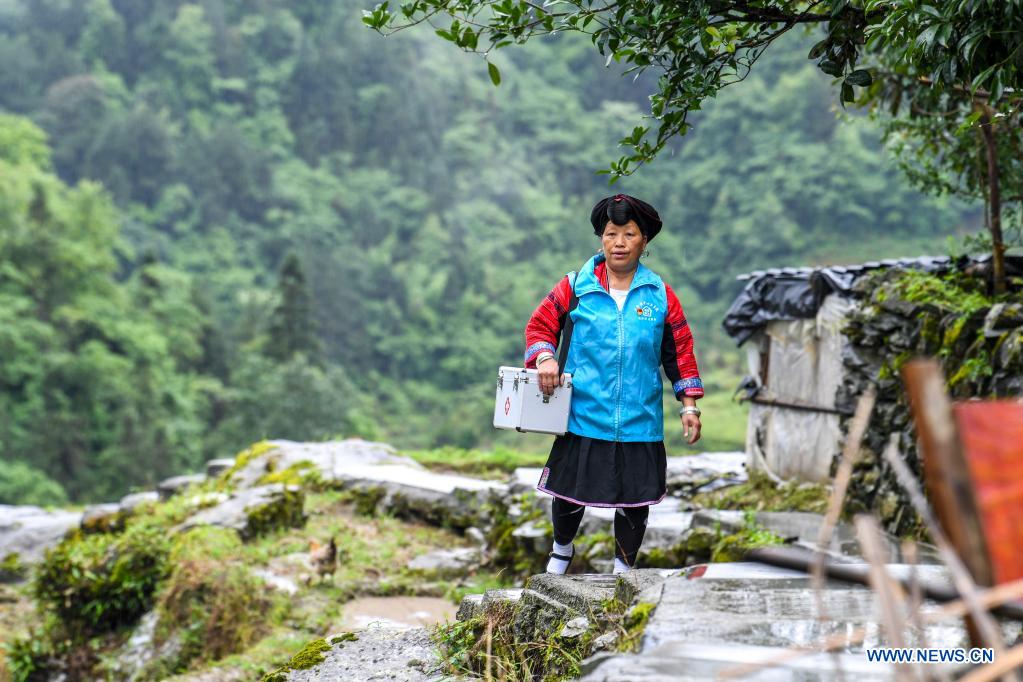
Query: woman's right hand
(548,375)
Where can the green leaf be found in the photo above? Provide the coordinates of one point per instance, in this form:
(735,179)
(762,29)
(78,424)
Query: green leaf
(859,77)
(847,93)
(818,49)
(968,122)
(830,67)
(495,75)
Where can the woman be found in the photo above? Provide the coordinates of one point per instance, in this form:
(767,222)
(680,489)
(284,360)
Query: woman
(626,322)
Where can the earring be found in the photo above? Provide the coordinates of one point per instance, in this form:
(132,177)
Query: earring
(646,253)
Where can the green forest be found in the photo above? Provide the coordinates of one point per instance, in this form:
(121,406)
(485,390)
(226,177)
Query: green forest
(223,221)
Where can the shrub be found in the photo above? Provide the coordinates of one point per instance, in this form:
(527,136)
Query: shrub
(98,583)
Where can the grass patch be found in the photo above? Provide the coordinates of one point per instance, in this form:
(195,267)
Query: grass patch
(760,493)
(500,643)
(265,655)
(723,419)
(751,536)
(496,463)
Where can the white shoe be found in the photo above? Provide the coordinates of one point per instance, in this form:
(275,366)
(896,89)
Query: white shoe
(558,563)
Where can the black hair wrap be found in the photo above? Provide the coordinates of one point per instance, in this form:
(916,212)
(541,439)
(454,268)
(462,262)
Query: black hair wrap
(620,209)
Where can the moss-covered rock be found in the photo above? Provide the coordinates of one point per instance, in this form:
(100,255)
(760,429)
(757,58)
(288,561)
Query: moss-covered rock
(366,498)
(103,519)
(311,655)
(284,510)
(978,340)
(296,474)
(509,549)
(12,569)
(254,511)
(250,465)
(634,625)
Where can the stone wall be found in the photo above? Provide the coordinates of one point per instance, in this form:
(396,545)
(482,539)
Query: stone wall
(904,314)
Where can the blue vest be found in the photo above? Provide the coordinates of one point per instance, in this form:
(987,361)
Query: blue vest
(615,358)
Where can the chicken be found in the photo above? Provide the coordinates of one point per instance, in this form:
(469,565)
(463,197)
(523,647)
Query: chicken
(322,558)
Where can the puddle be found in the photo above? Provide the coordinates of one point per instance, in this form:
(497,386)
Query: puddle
(396,612)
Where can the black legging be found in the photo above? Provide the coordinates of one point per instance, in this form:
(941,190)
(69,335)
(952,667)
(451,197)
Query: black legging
(630,526)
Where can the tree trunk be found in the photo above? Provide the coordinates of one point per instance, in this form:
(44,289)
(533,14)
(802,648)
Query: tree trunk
(994,204)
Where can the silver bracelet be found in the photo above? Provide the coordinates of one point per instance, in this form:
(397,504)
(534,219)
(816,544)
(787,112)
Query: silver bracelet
(544,356)
(690,410)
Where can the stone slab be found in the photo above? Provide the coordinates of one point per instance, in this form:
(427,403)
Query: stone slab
(29,531)
(378,655)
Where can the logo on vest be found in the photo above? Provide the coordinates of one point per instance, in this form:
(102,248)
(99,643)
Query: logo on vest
(645,311)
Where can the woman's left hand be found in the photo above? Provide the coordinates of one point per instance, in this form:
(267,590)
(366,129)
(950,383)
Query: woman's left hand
(691,428)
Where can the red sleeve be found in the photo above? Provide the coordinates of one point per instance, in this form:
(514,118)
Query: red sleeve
(544,326)
(677,356)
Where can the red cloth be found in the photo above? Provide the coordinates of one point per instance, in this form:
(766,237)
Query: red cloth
(543,331)
(991,433)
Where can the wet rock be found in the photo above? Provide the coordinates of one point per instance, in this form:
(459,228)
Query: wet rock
(477,536)
(29,531)
(712,617)
(470,607)
(215,467)
(574,628)
(524,480)
(254,511)
(396,611)
(443,563)
(803,529)
(548,600)
(331,460)
(452,501)
(280,583)
(534,537)
(129,503)
(704,472)
(376,655)
(492,598)
(562,606)
(141,652)
(638,585)
(490,602)
(606,641)
(203,500)
(176,484)
(681,662)
(1003,317)
(102,518)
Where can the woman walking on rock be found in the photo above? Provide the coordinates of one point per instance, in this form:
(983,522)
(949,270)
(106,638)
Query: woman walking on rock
(627,323)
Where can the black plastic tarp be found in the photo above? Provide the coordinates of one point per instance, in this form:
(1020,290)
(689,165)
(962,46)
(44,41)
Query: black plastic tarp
(795,293)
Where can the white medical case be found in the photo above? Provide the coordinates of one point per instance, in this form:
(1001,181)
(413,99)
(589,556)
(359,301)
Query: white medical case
(522,406)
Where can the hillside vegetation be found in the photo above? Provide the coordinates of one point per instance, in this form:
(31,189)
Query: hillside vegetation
(223,221)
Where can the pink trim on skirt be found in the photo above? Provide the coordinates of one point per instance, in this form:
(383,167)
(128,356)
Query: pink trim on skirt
(600,504)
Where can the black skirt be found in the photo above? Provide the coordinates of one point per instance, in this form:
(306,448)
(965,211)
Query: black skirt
(605,473)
